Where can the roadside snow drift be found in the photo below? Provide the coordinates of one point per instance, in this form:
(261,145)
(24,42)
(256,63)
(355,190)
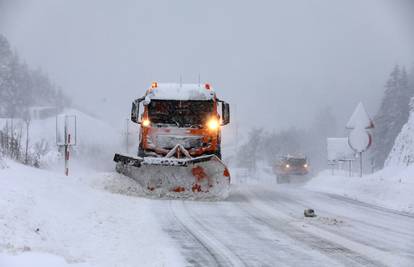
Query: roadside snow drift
(73,218)
(392,188)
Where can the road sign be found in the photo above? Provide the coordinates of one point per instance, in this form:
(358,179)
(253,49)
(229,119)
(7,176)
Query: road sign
(359,140)
(339,149)
(360,119)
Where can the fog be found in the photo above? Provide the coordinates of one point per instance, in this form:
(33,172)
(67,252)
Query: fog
(277,62)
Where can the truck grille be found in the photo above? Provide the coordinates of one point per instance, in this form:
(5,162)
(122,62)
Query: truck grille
(170,141)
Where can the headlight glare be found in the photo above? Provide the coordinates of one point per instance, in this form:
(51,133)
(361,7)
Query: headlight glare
(213,124)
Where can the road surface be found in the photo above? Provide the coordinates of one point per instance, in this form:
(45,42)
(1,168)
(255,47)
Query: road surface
(265,226)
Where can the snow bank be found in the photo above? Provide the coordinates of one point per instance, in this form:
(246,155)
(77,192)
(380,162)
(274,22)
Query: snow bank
(73,218)
(402,153)
(392,188)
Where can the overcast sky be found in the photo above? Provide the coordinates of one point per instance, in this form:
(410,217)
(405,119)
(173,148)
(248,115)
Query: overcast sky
(276,62)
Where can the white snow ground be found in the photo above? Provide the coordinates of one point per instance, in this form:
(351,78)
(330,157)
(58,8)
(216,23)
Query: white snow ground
(78,220)
(98,220)
(392,188)
(30,259)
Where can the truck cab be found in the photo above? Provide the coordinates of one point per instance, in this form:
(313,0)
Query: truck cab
(290,165)
(179,151)
(188,115)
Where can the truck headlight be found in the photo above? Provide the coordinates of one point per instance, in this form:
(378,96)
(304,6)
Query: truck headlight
(146,122)
(213,124)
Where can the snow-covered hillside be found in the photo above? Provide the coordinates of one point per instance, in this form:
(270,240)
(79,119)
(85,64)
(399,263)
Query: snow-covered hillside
(402,153)
(96,140)
(77,219)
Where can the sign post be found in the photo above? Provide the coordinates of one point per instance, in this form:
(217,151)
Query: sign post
(339,151)
(359,138)
(66,135)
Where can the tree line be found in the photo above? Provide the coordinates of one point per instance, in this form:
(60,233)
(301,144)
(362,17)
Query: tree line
(22,87)
(393,113)
(268,146)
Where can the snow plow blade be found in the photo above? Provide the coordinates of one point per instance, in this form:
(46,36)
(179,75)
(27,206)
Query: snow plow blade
(204,177)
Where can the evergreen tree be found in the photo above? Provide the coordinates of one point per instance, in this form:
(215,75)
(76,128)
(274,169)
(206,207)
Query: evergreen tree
(391,116)
(22,87)
(411,78)
(249,152)
(6,57)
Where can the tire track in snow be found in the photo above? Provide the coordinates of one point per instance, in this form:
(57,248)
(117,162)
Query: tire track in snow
(222,254)
(254,243)
(278,221)
(389,237)
(193,249)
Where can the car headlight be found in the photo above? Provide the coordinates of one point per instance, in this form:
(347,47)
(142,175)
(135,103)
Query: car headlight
(305,165)
(287,166)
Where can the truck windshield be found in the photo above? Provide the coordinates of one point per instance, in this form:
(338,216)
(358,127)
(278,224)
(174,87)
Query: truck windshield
(297,161)
(181,113)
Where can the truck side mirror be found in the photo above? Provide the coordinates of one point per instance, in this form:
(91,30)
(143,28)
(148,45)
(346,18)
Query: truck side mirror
(135,110)
(225,111)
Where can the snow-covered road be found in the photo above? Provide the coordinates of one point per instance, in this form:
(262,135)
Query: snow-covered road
(98,219)
(262,226)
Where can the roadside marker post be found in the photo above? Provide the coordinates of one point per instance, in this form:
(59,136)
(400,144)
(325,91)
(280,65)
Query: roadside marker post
(66,136)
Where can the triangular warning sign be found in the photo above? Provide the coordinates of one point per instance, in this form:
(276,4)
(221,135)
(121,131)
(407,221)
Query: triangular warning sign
(360,119)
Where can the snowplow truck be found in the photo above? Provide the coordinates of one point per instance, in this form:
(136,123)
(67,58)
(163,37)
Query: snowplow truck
(179,151)
(289,166)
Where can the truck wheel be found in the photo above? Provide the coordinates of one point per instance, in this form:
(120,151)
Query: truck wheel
(218,153)
(141,152)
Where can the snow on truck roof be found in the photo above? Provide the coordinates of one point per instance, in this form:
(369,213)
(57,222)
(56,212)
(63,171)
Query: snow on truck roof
(175,91)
